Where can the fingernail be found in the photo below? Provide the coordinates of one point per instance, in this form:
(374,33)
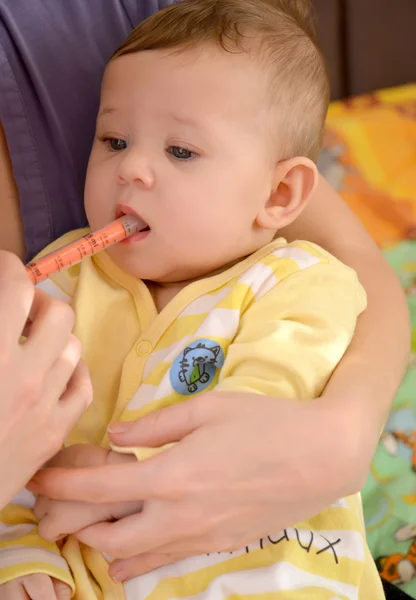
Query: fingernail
(118,427)
(118,575)
(33,486)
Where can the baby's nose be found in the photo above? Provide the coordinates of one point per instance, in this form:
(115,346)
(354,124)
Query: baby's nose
(135,168)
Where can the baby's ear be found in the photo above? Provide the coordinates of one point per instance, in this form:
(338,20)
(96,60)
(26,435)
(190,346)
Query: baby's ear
(294,183)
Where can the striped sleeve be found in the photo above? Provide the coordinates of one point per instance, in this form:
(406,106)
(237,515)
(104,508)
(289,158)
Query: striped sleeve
(22,550)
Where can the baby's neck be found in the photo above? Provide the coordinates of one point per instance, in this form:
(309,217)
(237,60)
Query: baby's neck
(164,292)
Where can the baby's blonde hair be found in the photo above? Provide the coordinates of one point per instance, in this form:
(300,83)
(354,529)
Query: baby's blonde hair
(283,35)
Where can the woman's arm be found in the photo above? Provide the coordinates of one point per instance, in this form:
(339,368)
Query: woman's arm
(11,228)
(372,369)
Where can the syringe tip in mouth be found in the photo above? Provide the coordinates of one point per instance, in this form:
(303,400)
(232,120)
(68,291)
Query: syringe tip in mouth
(89,244)
(132,224)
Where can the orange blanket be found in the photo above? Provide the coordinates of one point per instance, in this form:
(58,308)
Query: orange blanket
(369,156)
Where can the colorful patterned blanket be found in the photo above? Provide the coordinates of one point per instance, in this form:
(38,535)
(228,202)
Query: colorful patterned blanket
(370,158)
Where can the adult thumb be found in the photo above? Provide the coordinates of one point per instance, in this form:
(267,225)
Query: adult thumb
(156,429)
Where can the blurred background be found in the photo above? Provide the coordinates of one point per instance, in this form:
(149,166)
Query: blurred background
(369,156)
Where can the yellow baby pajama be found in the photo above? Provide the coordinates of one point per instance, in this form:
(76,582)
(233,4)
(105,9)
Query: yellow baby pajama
(277,323)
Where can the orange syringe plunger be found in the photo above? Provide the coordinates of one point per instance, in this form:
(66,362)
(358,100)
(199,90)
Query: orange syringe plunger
(89,244)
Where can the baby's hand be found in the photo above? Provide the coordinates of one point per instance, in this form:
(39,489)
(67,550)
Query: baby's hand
(80,455)
(59,518)
(36,587)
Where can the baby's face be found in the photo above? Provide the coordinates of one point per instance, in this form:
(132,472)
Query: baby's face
(183,140)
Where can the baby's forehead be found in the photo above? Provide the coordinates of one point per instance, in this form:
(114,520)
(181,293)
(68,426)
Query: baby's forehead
(205,80)
(199,62)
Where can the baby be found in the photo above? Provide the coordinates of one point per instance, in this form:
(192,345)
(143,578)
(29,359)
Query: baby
(209,127)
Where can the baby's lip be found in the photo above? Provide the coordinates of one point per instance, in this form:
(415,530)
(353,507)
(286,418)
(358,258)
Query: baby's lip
(124,209)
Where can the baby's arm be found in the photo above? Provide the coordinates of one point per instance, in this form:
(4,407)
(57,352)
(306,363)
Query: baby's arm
(59,518)
(29,565)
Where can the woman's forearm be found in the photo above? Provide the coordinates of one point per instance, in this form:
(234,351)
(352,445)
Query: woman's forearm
(11,228)
(374,365)
(375,362)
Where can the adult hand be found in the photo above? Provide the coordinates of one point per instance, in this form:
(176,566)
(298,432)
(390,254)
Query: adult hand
(44,388)
(59,518)
(246,466)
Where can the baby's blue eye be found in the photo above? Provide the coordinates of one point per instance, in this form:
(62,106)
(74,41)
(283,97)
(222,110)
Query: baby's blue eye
(180,153)
(116,144)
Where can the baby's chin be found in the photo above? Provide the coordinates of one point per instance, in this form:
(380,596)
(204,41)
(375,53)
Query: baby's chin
(141,267)
(158,271)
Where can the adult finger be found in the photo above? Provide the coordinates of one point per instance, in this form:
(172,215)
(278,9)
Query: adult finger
(48,315)
(110,483)
(132,535)
(67,406)
(39,586)
(63,368)
(17,293)
(125,569)
(76,398)
(161,427)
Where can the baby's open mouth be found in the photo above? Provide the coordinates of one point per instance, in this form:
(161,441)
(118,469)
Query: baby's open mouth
(124,209)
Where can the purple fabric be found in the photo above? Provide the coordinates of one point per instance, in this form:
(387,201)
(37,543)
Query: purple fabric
(52,56)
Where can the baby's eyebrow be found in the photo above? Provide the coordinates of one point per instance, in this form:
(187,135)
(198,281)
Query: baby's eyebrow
(184,120)
(106,111)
